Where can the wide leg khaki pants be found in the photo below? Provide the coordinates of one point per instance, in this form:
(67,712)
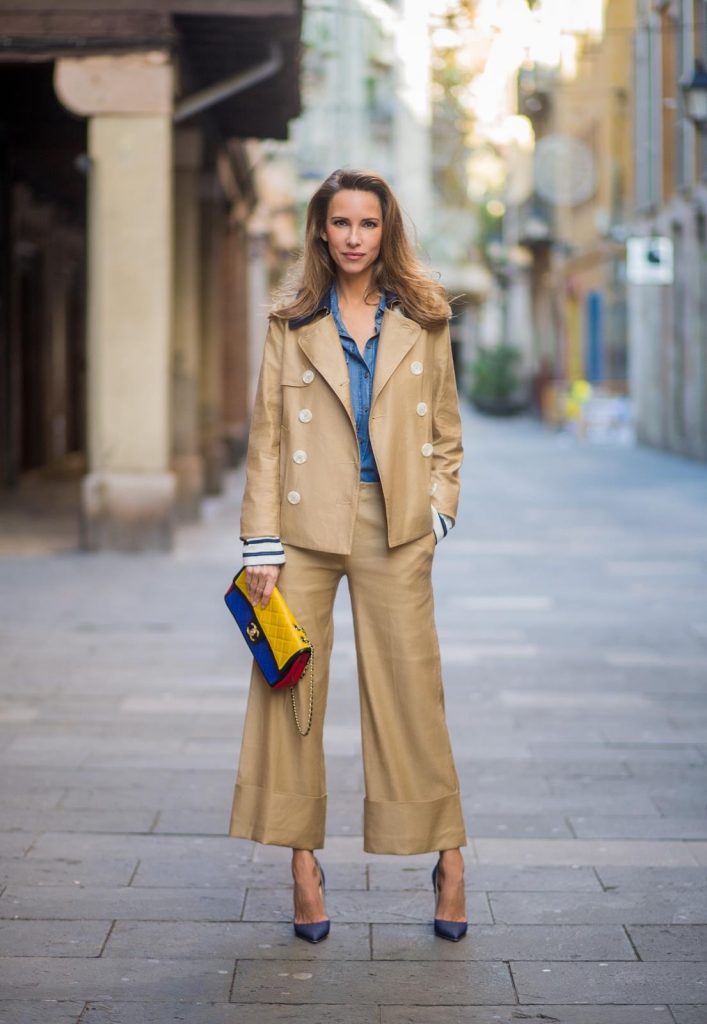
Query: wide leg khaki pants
(412,802)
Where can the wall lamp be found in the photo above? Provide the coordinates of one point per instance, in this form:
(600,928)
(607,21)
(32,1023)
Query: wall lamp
(694,89)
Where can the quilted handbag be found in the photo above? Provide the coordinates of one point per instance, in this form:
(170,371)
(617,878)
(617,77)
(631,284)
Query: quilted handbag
(279,645)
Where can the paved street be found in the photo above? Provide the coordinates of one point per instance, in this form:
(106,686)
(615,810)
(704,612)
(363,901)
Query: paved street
(572,611)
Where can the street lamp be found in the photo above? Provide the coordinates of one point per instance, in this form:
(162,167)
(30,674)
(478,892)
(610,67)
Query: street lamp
(694,90)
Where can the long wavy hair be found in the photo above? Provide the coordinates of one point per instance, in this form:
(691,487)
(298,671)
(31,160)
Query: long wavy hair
(397,269)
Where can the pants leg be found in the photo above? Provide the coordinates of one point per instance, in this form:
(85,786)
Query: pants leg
(412,802)
(280,793)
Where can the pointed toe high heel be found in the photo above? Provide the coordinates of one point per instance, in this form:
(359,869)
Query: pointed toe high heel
(452,930)
(317,930)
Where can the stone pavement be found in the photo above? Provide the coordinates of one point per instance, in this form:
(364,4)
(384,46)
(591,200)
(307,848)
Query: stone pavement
(572,610)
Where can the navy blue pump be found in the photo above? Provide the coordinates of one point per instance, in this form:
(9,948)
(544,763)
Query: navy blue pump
(452,930)
(318,930)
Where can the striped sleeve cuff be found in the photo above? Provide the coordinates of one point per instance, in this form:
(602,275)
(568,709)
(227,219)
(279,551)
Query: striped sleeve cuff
(263,551)
(441,524)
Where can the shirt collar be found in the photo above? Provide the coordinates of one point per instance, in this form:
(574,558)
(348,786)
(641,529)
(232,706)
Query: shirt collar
(328,302)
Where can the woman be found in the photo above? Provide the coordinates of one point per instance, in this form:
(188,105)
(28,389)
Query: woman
(352,469)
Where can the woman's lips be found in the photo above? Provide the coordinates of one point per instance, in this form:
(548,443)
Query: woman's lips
(353,255)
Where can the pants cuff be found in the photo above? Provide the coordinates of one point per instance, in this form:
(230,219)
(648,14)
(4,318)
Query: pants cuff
(417,827)
(278,819)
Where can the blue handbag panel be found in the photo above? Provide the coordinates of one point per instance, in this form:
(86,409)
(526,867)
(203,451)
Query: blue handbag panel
(242,612)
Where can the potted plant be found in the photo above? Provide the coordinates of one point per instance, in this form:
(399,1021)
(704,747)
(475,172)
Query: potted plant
(496,386)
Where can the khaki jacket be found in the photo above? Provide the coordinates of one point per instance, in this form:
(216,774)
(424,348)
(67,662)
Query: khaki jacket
(302,468)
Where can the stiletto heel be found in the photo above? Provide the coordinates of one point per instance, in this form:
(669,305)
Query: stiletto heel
(452,930)
(317,930)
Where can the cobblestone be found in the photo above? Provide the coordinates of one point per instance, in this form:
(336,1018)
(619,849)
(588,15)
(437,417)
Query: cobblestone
(571,599)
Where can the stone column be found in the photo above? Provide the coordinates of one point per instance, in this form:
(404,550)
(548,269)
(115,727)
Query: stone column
(187,462)
(214,214)
(235,354)
(128,494)
(258,303)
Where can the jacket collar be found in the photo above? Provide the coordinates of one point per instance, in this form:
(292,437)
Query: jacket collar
(324,306)
(318,343)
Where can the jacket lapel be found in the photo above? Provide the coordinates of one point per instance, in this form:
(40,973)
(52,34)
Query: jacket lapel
(398,335)
(321,344)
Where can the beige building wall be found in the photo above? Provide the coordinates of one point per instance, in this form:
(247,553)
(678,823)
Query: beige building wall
(594,107)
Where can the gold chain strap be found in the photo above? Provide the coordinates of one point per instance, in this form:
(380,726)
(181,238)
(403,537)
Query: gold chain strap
(311,699)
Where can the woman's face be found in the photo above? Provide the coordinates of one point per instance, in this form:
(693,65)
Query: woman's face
(353,230)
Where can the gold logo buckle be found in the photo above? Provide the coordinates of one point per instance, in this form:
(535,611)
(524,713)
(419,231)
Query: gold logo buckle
(253,631)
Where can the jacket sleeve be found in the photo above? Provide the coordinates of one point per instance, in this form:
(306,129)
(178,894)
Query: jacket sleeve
(260,509)
(447,451)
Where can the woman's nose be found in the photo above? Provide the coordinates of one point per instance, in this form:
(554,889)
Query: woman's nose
(353,238)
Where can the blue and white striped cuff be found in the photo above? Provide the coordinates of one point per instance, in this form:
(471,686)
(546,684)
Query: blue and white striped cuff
(441,524)
(263,551)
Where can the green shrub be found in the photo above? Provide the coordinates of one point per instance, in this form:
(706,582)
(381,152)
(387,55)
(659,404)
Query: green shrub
(494,375)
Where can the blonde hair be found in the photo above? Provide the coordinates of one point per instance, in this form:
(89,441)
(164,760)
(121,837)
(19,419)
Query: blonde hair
(397,269)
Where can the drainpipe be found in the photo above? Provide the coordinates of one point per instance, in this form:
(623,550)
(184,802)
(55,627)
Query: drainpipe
(228,87)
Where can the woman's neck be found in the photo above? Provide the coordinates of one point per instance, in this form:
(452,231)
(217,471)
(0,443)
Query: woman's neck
(351,290)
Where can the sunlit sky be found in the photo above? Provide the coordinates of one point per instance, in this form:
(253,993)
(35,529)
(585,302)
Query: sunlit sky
(506,34)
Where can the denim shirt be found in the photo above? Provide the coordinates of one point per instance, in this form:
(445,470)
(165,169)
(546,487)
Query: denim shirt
(361,370)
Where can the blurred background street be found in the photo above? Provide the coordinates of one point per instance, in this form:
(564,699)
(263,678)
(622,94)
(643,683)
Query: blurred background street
(156,159)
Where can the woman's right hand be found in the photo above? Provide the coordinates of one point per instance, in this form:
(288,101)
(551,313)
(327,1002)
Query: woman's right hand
(261,580)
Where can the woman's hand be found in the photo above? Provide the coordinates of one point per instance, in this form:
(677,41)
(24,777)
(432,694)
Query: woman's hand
(261,580)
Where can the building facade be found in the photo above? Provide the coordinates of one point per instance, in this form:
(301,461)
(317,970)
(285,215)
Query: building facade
(367,102)
(126,192)
(572,219)
(667,322)
(616,159)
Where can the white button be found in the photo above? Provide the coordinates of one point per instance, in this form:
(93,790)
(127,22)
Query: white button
(416,368)
(426,449)
(293,497)
(308,376)
(421,408)
(305,415)
(433,487)
(299,456)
